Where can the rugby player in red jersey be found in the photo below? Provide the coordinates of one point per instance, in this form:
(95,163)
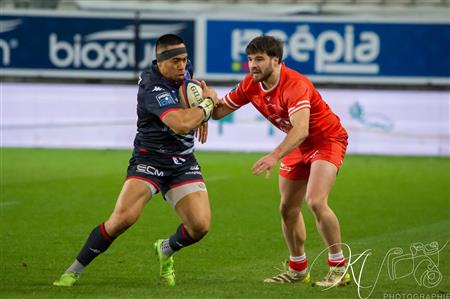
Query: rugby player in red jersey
(311,154)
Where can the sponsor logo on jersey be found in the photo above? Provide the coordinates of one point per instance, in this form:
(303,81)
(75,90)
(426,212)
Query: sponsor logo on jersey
(165,99)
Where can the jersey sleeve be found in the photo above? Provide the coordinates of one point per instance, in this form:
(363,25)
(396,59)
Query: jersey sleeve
(159,101)
(298,97)
(235,98)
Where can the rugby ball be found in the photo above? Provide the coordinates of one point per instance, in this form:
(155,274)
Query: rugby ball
(190,93)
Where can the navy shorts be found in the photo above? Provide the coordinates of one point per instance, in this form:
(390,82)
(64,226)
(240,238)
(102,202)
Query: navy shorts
(165,172)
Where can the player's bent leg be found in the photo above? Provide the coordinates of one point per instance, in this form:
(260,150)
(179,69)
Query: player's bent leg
(321,180)
(292,195)
(131,201)
(192,206)
(129,206)
(195,214)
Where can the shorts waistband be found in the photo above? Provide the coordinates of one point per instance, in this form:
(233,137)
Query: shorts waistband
(146,151)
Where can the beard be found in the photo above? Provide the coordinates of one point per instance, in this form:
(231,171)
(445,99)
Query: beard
(262,76)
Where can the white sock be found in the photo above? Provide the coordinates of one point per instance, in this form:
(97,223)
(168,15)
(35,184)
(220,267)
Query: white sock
(337,257)
(298,259)
(76,267)
(165,248)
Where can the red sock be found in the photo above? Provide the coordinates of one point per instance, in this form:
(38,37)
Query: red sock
(339,263)
(336,259)
(298,266)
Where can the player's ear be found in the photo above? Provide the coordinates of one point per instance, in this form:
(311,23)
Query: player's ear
(159,64)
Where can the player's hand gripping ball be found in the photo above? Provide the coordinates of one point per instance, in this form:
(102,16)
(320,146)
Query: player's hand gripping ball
(190,93)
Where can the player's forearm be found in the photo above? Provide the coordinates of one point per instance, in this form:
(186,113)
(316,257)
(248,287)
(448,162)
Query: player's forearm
(193,118)
(185,120)
(293,139)
(220,111)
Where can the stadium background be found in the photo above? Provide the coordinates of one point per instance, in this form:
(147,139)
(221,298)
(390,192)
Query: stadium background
(68,73)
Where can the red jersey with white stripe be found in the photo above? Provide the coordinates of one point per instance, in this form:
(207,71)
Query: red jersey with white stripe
(292,92)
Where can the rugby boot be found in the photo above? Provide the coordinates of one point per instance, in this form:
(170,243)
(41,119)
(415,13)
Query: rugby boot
(67,279)
(336,276)
(166,269)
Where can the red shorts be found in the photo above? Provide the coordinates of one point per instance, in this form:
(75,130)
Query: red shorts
(297,164)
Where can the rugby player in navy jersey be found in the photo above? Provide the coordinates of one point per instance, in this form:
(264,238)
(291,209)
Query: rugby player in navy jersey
(162,161)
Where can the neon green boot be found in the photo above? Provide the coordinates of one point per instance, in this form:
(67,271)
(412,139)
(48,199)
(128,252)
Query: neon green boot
(166,270)
(67,280)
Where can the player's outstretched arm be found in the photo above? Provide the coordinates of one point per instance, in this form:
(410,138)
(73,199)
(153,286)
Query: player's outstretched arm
(220,109)
(296,135)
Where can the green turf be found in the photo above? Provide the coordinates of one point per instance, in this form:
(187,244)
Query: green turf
(51,199)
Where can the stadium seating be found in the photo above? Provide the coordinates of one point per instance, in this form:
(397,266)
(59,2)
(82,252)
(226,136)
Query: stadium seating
(64,4)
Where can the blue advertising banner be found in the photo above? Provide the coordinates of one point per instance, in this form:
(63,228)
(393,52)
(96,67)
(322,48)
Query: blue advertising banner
(337,51)
(83,45)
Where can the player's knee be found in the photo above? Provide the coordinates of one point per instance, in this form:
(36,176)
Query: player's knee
(122,221)
(316,205)
(288,211)
(199,228)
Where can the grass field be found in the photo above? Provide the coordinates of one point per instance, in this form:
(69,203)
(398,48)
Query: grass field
(51,199)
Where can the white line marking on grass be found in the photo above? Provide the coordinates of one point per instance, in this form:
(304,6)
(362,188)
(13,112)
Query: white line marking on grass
(8,203)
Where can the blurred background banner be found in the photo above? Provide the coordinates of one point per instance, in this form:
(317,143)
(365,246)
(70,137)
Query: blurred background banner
(337,50)
(328,50)
(388,122)
(86,45)
(68,76)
